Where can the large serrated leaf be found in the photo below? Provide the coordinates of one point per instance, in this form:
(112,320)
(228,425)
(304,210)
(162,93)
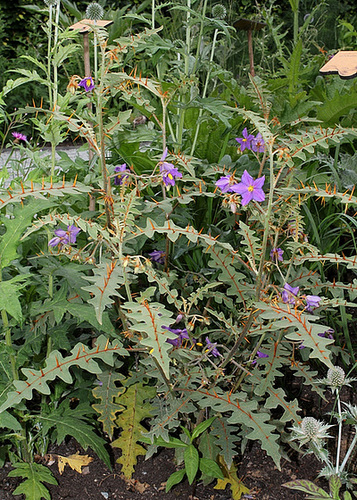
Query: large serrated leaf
(251,242)
(130,422)
(226,439)
(150,319)
(9,296)
(16,226)
(107,279)
(300,328)
(35,474)
(107,391)
(242,411)
(57,366)
(67,422)
(231,478)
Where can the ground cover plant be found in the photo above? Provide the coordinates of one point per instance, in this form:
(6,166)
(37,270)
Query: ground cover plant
(163,292)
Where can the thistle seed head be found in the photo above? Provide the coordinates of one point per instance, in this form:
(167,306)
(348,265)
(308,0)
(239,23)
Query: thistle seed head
(94,11)
(219,11)
(310,427)
(336,377)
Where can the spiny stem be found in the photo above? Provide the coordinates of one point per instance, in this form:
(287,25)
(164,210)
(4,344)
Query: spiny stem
(266,224)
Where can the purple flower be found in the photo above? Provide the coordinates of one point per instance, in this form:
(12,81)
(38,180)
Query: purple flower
(168,171)
(276,254)
(289,293)
(224,183)
(327,334)
(64,237)
(312,301)
(246,140)
(212,348)
(261,354)
(258,144)
(249,188)
(120,178)
(19,136)
(182,335)
(157,256)
(87,83)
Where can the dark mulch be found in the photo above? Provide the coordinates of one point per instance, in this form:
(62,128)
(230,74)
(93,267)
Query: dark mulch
(257,471)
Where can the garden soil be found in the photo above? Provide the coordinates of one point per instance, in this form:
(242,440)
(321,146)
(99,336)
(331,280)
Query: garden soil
(97,482)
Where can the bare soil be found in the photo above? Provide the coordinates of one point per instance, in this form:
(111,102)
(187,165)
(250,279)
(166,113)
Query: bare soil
(97,482)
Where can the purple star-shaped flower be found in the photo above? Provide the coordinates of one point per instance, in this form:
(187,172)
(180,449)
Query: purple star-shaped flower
(312,301)
(224,183)
(87,83)
(157,256)
(212,348)
(245,141)
(182,335)
(120,178)
(258,144)
(249,188)
(19,136)
(260,354)
(168,171)
(276,254)
(64,237)
(327,334)
(289,293)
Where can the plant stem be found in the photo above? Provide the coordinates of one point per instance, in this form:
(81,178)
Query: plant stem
(153,14)
(266,224)
(55,41)
(349,451)
(49,53)
(339,433)
(103,167)
(204,91)
(200,36)
(187,61)
(8,342)
(95,41)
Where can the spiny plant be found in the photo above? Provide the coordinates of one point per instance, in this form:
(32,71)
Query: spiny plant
(191,317)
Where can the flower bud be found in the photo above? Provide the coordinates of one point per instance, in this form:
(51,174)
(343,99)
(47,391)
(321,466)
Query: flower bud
(336,377)
(310,427)
(219,11)
(94,11)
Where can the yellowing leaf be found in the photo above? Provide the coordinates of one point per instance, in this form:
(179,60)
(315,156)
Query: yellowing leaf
(76,462)
(230,477)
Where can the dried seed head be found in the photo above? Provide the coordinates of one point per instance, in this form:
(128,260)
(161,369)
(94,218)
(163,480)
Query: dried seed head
(94,11)
(219,11)
(51,2)
(336,377)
